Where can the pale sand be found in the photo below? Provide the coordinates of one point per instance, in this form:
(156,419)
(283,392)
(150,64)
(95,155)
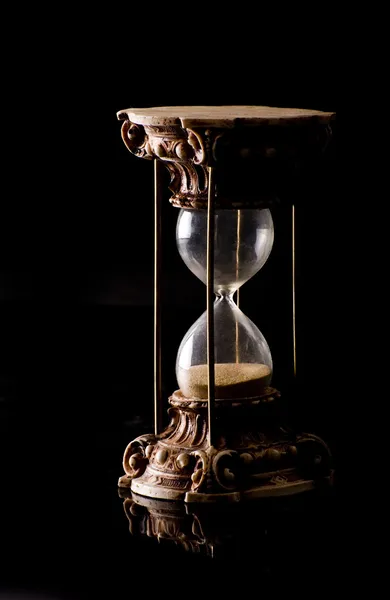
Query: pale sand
(232,380)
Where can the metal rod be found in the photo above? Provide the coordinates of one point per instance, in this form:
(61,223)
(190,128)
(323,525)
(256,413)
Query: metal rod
(293,291)
(158,409)
(210,305)
(237,274)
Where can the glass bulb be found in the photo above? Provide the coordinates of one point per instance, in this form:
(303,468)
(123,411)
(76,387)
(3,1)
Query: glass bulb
(243,362)
(242,243)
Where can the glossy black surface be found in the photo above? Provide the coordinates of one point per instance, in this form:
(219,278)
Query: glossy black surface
(64,530)
(69,406)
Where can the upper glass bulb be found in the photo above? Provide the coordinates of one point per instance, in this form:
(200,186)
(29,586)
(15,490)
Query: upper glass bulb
(243,241)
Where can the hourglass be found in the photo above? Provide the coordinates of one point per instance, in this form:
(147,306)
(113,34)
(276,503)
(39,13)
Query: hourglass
(225,440)
(242,359)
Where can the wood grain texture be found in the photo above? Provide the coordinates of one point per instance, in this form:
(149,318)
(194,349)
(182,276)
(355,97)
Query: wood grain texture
(222,116)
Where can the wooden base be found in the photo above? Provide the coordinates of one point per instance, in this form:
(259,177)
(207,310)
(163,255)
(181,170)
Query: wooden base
(281,487)
(254,456)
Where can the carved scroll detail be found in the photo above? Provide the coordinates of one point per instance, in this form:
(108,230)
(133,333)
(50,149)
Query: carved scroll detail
(226,466)
(136,140)
(190,429)
(135,457)
(186,153)
(200,473)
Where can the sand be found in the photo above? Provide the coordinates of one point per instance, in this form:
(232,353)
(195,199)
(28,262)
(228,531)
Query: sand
(232,380)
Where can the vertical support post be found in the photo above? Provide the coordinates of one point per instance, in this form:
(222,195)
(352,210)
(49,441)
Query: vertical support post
(210,305)
(237,274)
(293,290)
(158,409)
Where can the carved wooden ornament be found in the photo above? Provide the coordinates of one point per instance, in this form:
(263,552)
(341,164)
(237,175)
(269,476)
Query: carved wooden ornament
(248,145)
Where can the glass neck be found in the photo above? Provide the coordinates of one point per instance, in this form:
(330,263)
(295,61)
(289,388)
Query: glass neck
(223,296)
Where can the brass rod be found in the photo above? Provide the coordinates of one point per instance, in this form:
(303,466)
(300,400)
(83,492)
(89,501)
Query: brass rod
(158,409)
(210,306)
(293,292)
(237,274)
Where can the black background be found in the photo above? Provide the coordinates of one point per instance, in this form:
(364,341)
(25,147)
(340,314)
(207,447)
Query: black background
(76,279)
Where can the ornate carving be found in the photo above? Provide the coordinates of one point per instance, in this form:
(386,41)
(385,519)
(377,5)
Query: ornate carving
(179,463)
(189,428)
(266,149)
(226,469)
(136,140)
(201,469)
(189,184)
(134,458)
(169,143)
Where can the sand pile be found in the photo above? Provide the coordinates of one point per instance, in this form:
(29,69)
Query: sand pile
(232,380)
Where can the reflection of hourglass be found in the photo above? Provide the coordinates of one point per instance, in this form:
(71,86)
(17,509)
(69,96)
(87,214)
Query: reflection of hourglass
(225,440)
(243,535)
(243,364)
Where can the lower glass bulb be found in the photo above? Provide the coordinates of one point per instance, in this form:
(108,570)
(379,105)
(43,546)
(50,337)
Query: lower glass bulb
(243,363)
